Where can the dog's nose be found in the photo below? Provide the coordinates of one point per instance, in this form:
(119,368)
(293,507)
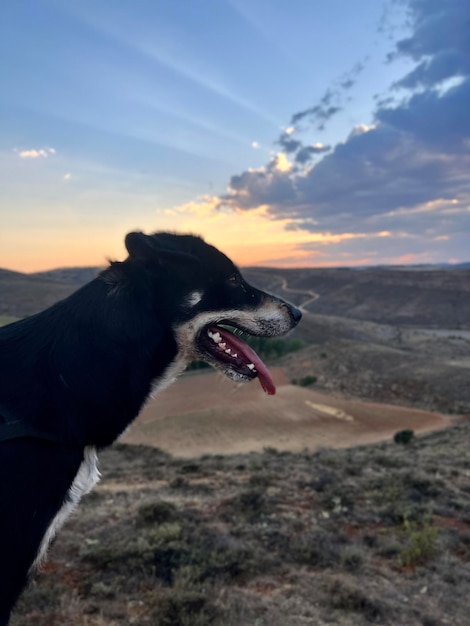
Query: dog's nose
(295,313)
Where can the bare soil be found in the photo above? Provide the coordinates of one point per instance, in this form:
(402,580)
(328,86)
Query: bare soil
(208,414)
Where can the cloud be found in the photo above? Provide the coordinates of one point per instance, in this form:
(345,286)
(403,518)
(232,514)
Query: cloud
(32,154)
(302,153)
(35,154)
(288,144)
(439,42)
(408,172)
(67,176)
(306,152)
(320,113)
(258,187)
(332,101)
(438,119)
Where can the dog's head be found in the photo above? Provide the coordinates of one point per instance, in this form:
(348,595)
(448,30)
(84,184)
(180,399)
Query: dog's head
(202,296)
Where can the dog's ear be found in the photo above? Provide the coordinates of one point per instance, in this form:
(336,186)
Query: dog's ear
(138,245)
(143,247)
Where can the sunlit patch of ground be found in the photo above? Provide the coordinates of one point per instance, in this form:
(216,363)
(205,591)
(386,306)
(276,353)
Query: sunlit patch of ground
(208,414)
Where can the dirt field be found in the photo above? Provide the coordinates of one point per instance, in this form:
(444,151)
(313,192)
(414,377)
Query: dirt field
(208,414)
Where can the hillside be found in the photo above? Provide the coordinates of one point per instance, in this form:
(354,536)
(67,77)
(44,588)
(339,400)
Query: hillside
(24,294)
(430,297)
(385,334)
(432,373)
(77,276)
(377,534)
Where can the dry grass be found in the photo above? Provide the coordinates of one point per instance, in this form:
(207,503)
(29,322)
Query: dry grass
(373,534)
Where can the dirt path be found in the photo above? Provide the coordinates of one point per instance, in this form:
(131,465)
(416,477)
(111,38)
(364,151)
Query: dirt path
(208,414)
(312,295)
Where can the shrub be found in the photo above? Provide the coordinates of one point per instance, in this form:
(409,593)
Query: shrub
(403,436)
(197,365)
(273,348)
(315,548)
(305,381)
(421,542)
(156,512)
(184,608)
(190,468)
(348,596)
(251,503)
(260,480)
(352,560)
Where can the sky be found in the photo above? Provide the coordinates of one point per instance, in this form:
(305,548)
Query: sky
(287,133)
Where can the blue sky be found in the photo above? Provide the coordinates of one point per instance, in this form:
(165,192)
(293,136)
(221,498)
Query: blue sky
(293,133)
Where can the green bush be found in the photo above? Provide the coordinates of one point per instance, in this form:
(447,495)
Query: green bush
(197,365)
(305,381)
(403,436)
(156,512)
(273,348)
(251,503)
(421,543)
(183,607)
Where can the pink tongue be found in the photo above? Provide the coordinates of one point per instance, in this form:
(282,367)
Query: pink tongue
(264,377)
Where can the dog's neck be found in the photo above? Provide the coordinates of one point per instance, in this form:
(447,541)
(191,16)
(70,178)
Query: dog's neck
(92,369)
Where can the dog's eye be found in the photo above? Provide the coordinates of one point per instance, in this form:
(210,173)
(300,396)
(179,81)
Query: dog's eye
(234,280)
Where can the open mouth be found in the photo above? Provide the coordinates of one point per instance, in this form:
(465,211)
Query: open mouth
(233,355)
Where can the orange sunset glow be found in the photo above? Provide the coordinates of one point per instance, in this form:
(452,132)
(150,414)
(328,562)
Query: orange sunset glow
(313,154)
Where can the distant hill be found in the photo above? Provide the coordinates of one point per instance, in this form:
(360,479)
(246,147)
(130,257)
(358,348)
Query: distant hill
(25,294)
(70,275)
(433,298)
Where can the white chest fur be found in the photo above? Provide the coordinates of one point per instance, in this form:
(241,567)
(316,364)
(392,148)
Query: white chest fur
(87,477)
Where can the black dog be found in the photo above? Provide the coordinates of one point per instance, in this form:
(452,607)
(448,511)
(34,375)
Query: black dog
(74,376)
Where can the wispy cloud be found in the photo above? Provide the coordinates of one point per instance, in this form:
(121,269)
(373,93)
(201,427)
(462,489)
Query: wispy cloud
(172,57)
(332,101)
(35,154)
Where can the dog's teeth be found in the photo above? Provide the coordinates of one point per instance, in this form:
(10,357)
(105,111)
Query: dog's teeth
(214,336)
(250,366)
(235,355)
(228,351)
(222,345)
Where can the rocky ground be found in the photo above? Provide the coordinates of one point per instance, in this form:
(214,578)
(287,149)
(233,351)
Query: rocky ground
(376,534)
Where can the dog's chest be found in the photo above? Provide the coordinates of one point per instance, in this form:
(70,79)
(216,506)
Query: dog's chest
(87,477)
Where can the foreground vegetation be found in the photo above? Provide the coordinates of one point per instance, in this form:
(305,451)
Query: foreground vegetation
(376,534)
